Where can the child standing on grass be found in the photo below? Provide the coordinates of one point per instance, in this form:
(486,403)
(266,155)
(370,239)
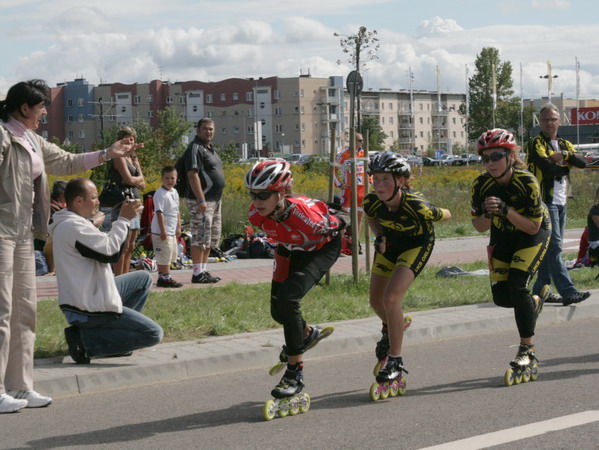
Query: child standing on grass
(402,221)
(309,244)
(166,227)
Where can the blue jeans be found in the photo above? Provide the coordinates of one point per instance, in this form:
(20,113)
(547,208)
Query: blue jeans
(112,334)
(553,268)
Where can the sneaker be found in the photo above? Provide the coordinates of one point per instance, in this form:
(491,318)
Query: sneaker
(553,298)
(577,298)
(10,405)
(168,283)
(203,278)
(524,357)
(75,345)
(33,399)
(217,279)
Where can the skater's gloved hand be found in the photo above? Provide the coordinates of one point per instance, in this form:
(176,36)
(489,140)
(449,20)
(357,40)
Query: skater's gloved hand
(493,206)
(380,243)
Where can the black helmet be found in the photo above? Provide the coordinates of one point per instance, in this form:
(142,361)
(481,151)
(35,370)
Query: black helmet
(389,162)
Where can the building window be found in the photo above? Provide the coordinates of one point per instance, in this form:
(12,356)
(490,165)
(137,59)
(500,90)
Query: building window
(303,127)
(208,98)
(236,130)
(70,135)
(390,106)
(382,120)
(69,103)
(80,102)
(382,106)
(137,99)
(277,94)
(251,129)
(150,114)
(249,96)
(235,96)
(278,128)
(81,134)
(392,135)
(250,113)
(422,134)
(421,120)
(111,117)
(301,92)
(391,120)
(69,118)
(123,109)
(278,112)
(420,106)
(150,98)
(169,99)
(223,97)
(81,117)
(301,109)
(453,120)
(262,105)
(223,130)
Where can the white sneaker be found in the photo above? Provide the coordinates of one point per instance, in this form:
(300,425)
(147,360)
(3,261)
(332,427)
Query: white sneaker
(33,399)
(10,405)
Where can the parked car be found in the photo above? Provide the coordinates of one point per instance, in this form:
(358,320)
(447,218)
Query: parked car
(454,160)
(470,158)
(299,158)
(428,161)
(593,165)
(414,161)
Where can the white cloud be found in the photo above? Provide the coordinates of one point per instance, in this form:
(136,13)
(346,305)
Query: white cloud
(437,27)
(548,5)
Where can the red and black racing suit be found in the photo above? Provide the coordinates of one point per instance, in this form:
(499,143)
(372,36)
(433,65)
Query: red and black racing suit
(309,244)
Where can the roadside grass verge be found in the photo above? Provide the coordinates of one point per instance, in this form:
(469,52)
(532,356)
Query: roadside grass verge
(191,314)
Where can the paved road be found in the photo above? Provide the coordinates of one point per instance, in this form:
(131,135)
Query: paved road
(455,393)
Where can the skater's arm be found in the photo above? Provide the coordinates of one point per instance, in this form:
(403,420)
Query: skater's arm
(498,207)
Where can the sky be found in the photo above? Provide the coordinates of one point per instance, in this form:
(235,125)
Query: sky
(179,40)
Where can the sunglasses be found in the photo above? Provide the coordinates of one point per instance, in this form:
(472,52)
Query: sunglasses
(263,195)
(495,156)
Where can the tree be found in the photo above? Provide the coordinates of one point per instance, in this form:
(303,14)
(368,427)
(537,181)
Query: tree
(228,154)
(370,127)
(162,146)
(480,88)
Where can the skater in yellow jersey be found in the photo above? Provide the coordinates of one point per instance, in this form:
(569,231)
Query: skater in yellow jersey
(506,199)
(402,221)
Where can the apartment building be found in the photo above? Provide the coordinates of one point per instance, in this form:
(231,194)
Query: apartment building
(415,121)
(258,116)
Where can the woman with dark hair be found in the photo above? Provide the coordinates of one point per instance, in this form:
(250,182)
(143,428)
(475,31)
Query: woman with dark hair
(25,157)
(127,173)
(507,200)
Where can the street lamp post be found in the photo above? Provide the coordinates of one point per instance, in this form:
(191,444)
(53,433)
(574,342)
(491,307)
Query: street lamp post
(549,79)
(283,141)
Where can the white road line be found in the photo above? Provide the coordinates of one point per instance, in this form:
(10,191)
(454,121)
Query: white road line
(519,433)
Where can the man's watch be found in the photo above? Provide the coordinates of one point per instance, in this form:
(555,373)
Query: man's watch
(104,154)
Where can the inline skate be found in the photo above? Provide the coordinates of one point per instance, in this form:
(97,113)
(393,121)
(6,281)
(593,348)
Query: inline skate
(389,380)
(524,366)
(382,347)
(288,399)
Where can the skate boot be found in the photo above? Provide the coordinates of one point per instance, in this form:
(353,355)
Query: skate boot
(539,300)
(381,350)
(316,335)
(389,380)
(524,366)
(292,382)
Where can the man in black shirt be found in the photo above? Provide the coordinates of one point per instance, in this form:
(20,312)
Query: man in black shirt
(206,181)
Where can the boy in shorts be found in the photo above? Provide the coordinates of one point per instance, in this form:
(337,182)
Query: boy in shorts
(166,227)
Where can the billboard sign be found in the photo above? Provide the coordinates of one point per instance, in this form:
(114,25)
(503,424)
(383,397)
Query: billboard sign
(585,116)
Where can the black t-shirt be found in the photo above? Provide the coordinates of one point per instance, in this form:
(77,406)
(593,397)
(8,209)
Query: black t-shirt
(210,169)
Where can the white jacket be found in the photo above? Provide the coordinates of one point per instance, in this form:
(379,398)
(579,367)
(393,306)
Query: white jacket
(82,256)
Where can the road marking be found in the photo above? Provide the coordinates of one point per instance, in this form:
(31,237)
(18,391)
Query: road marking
(519,433)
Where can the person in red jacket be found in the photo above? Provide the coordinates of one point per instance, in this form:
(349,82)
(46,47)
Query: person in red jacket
(309,243)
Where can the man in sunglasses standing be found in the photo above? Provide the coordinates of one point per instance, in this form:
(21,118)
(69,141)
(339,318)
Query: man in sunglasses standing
(550,158)
(206,182)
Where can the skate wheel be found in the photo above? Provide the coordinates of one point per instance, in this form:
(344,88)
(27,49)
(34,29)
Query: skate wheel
(508,379)
(517,376)
(378,366)
(374,392)
(276,368)
(526,375)
(283,408)
(407,321)
(385,391)
(269,411)
(294,406)
(534,372)
(402,386)
(304,403)
(394,389)
(327,331)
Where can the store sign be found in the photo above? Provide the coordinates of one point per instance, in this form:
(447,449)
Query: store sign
(585,116)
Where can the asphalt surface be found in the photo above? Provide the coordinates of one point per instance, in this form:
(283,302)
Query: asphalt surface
(60,377)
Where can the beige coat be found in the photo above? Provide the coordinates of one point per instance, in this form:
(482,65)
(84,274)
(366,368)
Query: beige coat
(17,186)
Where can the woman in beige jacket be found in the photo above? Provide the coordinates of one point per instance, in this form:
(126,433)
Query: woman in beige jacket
(25,157)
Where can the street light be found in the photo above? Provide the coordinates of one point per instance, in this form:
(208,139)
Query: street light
(549,79)
(283,140)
